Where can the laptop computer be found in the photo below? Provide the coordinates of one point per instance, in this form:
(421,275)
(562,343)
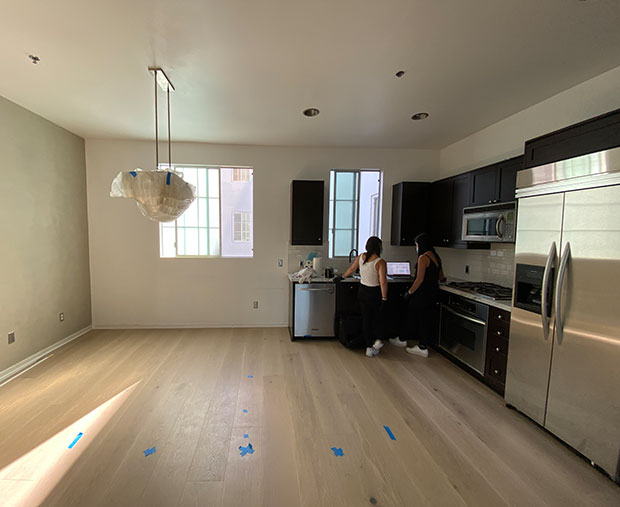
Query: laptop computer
(399,269)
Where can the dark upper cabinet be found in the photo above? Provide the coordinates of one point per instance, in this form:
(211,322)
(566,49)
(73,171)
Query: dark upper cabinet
(508,178)
(441,212)
(495,183)
(307,198)
(596,134)
(410,210)
(461,193)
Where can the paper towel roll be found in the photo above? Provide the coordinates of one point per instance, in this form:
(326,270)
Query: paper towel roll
(317,264)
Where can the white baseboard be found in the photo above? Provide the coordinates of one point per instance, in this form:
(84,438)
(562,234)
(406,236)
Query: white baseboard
(22,365)
(185,326)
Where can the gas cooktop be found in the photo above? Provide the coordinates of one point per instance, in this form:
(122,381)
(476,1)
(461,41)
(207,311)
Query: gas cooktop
(488,290)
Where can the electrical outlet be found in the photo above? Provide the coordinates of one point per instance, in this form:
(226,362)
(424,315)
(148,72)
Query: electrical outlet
(255,305)
(280,263)
(11,337)
(61,317)
(466,269)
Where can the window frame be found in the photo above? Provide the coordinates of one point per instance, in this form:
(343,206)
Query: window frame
(331,246)
(174,167)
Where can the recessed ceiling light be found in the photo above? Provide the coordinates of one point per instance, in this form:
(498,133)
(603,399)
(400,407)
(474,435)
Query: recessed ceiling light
(400,73)
(420,116)
(34,59)
(311,111)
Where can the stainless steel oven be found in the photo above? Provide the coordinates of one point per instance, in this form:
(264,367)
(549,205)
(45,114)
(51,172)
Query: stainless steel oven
(490,224)
(463,330)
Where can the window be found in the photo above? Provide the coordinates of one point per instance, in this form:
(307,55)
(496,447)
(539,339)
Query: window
(354,209)
(219,221)
(242,221)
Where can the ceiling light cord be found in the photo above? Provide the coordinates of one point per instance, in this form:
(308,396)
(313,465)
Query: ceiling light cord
(156,125)
(169,148)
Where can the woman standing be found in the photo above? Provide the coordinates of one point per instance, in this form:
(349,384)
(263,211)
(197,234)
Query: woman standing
(372,293)
(422,297)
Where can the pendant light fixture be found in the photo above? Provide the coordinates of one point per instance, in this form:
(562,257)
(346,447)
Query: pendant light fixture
(161,194)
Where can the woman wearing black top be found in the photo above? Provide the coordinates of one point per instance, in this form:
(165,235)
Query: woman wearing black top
(422,297)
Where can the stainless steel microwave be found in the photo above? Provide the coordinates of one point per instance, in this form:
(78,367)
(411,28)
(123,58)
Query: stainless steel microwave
(491,224)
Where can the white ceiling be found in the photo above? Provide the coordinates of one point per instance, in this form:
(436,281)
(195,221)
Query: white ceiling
(245,70)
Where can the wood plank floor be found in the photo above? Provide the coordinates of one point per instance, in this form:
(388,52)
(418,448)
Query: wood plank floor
(198,396)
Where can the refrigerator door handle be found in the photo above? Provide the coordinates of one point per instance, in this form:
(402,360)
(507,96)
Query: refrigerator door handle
(558,292)
(545,290)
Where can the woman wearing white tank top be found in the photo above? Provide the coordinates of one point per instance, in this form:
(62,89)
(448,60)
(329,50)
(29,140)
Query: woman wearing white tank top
(372,293)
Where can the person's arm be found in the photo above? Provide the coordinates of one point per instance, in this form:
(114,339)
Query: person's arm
(442,277)
(423,262)
(352,268)
(382,269)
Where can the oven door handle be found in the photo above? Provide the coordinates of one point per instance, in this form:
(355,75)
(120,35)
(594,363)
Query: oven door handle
(544,303)
(466,317)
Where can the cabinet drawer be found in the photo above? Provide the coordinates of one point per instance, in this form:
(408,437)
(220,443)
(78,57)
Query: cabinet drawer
(496,368)
(496,345)
(498,330)
(499,316)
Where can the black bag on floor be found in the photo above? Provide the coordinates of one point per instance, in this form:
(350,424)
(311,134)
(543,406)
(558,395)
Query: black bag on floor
(349,329)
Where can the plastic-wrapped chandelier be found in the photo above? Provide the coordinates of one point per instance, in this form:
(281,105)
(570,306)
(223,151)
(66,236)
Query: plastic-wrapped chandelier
(161,195)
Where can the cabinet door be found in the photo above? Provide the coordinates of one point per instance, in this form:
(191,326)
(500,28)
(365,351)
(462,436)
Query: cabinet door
(441,212)
(410,202)
(307,212)
(485,186)
(460,199)
(508,178)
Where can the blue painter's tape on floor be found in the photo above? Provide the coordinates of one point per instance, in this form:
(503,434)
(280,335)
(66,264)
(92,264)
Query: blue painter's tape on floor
(389,432)
(79,435)
(150,451)
(337,451)
(245,410)
(250,376)
(245,435)
(246,450)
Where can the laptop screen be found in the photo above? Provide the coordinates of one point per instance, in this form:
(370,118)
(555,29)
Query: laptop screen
(398,269)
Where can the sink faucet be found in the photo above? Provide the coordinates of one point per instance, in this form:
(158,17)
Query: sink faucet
(351,254)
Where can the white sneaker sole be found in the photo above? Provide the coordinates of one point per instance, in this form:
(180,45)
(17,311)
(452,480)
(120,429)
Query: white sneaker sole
(398,343)
(378,346)
(371,352)
(418,352)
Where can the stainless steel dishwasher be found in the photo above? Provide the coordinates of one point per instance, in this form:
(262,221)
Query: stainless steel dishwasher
(315,306)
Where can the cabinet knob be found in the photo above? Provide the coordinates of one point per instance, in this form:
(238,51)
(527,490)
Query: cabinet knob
(499,316)
(496,349)
(490,202)
(496,372)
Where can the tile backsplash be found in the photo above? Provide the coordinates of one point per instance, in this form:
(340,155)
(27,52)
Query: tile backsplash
(495,265)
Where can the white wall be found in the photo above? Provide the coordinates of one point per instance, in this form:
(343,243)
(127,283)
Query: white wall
(506,138)
(132,286)
(44,268)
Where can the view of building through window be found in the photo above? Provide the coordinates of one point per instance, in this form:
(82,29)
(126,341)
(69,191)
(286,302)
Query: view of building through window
(219,221)
(354,209)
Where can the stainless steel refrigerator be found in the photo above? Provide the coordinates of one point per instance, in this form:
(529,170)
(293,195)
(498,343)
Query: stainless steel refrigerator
(564,351)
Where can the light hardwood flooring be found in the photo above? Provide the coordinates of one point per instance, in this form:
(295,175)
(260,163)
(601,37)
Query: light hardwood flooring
(194,395)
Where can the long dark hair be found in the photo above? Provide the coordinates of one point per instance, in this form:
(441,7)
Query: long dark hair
(425,244)
(373,246)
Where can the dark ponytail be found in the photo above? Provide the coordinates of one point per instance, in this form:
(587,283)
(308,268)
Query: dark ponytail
(373,246)
(425,244)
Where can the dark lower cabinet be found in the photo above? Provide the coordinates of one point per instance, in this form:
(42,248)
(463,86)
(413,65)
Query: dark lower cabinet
(307,212)
(498,332)
(410,212)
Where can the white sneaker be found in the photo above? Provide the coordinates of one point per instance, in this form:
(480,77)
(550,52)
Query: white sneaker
(398,342)
(371,351)
(377,345)
(417,351)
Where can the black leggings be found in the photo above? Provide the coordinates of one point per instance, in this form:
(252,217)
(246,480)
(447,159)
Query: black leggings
(419,321)
(372,316)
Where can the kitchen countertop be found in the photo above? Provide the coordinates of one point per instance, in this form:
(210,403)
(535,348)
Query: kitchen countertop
(502,304)
(322,279)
